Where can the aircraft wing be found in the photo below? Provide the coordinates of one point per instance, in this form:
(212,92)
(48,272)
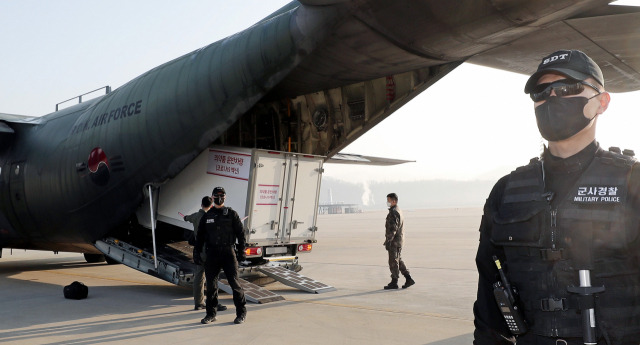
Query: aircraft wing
(379,54)
(609,35)
(12,118)
(382,38)
(348,158)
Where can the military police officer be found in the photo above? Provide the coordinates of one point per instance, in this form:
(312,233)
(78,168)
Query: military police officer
(198,275)
(566,226)
(219,230)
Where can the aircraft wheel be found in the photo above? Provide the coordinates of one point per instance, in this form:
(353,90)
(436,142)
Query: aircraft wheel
(93,258)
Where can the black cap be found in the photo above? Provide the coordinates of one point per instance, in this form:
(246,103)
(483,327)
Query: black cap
(573,64)
(218,190)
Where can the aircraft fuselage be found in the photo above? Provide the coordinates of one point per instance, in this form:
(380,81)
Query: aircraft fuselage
(82,170)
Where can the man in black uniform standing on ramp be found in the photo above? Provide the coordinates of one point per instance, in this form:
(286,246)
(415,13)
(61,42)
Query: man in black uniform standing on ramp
(219,230)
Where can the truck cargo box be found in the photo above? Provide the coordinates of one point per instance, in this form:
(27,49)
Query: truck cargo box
(276,193)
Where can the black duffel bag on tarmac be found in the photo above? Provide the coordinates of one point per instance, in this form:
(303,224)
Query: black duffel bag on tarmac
(76,290)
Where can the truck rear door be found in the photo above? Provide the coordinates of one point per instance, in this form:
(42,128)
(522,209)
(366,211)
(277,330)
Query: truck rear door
(301,205)
(284,197)
(268,179)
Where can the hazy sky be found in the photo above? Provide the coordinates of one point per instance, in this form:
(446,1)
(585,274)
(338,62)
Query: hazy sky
(474,123)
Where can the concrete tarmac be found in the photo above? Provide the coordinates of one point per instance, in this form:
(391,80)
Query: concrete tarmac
(126,306)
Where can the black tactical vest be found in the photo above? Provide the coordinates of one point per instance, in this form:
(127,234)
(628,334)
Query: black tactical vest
(219,225)
(545,247)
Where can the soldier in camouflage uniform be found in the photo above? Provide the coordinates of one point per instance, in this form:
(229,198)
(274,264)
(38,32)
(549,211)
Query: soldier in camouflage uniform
(393,243)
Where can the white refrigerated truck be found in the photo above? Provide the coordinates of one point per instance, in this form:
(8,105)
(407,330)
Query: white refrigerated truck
(276,193)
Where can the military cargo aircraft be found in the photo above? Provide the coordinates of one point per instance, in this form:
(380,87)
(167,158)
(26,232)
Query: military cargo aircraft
(310,78)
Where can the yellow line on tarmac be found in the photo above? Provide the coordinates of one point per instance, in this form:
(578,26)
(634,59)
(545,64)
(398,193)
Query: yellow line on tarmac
(351,306)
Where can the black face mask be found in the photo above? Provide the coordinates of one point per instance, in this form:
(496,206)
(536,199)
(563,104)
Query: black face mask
(218,200)
(561,118)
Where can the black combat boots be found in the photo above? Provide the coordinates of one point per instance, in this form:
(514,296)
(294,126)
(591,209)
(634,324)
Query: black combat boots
(409,282)
(392,285)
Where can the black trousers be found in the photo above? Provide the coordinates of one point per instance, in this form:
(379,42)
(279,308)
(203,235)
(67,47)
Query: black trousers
(223,258)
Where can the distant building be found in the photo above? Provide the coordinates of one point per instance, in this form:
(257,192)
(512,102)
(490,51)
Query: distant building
(339,208)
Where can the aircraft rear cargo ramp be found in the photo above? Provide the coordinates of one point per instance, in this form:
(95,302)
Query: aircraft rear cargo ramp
(174,265)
